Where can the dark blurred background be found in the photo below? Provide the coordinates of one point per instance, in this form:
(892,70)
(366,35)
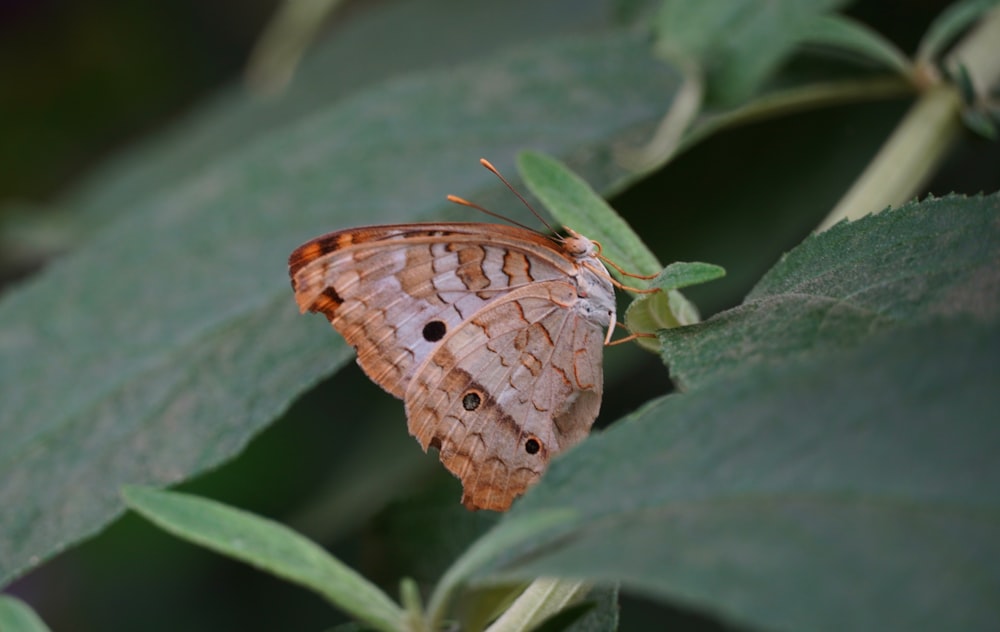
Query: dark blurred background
(82,79)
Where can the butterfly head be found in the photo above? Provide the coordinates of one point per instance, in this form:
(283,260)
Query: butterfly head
(578,246)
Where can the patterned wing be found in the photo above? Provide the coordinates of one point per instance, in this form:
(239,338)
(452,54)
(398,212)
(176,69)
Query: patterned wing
(517,383)
(395,291)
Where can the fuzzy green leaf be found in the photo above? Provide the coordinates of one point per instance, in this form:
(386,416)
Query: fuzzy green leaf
(159,348)
(952,21)
(849,35)
(354,57)
(853,467)
(269,546)
(839,287)
(846,490)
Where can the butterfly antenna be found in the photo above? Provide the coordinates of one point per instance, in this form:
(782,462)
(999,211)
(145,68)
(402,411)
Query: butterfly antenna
(486,163)
(457,200)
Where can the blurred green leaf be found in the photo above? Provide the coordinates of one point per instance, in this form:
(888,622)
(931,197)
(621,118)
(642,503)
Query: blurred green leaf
(425,34)
(370,463)
(736,44)
(841,286)
(422,533)
(849,489)
(159,348)
(598,612)
(949,25)
(851,36)
(981,122)
(17,616)
(269,546)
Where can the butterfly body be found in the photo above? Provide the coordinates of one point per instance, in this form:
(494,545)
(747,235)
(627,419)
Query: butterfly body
(492,335)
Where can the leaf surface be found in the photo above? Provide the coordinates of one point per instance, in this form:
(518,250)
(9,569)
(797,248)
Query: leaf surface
(842,478)
(849,490)
(159,348)
(269,546)
(939,257)
(735,44)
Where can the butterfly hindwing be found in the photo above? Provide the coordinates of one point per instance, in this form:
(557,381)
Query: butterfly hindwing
(515,384)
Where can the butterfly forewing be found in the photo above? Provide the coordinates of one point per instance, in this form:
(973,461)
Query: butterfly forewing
(394,291)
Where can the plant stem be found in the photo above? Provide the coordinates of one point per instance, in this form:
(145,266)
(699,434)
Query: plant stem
(539,601)
(279,49)
(925,134)
(906,159)
(798,99)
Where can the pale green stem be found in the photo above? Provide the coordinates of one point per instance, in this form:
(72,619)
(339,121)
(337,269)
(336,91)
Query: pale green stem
(925,134)
(906,159)
(980,53)
(539,601)
(669,134)
(798,99)
(277,53)
(412,605)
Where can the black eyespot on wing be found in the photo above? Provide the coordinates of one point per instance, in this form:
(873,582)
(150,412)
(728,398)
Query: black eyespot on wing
(434,331)
(471,400)
(532,445)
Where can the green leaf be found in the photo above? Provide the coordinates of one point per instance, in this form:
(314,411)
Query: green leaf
(353,57)
(849,35)
(683,274)
(669,308)
(159,348)
(576,205)
(981,122)
(268,546)
(947,26)
(17,616)
(737,44)
(841,286)
(598,612)
(844,490)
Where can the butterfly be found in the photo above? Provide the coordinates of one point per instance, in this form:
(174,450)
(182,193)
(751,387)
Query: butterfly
(491,334)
